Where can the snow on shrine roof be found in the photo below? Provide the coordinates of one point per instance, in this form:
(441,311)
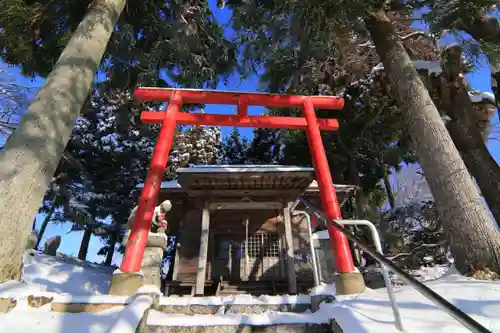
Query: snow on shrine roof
(315,187)
(242,168)
(166,184)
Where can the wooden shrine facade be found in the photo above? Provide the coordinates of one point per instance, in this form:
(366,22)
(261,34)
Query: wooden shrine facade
(234,224)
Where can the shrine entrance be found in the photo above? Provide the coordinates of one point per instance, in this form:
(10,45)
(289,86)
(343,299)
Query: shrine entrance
(257,257)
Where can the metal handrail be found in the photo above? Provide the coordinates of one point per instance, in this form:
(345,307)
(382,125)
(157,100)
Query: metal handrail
(313,252)
(449,308)
(385,273)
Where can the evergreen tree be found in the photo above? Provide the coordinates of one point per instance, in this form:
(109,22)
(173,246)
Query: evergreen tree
(265,147)
(234,149)
(196,145)
(14,98)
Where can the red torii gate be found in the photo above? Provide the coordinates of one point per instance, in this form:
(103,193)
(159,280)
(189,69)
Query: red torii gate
(172,116)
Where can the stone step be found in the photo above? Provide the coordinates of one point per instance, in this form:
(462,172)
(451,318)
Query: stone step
(253,288)
(285,328)
(233,309)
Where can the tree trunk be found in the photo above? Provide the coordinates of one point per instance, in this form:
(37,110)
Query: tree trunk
(45,223)
(388,188)
(84,246)
(32,153)
(481,165)
(486,29)
(111,249)
(453,98)
(470,230)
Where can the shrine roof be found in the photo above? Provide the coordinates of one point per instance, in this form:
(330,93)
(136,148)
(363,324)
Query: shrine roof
(246,180)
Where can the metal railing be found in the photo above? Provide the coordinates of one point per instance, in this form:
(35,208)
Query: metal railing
(449,308)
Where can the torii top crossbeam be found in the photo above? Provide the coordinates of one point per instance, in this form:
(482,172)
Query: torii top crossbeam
(242,100)
(173,116)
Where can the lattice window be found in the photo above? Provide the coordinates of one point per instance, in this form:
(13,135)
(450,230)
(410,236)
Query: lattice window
(263,244)
(254,246)
(271,245)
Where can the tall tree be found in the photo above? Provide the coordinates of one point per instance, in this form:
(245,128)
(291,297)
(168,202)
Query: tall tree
(469,113)
(469,228)
(33,151)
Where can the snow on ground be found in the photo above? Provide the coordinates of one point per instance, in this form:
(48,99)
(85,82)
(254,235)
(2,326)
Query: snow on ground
(122,319)
(47,274)
(368,312)
(371,312)
(424,274)
(236,300)
(41,320)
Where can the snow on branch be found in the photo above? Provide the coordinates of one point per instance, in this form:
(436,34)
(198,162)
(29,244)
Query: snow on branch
(478,97)
(417,34)
(433,66)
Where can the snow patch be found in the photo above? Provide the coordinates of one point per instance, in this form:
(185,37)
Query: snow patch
(235,300)
(268,318)
(377,69)
(166,184)
(130,316)
(118,271)
(433,66)
(324,289)
(424,274)
(321,235)
(47,274)
(23,319)
(242,168)
(149,289)
(154,235)
(478,97)
(101,299)
(18,289)
(314,186)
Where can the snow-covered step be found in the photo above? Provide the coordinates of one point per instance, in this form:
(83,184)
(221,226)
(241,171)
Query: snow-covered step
(239,304)
(159,322)
(239,313)
(290,328)
(77,304)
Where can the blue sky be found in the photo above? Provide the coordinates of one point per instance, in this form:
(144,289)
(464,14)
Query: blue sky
(480,80)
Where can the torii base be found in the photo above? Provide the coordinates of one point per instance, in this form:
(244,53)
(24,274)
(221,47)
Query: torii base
(125,284)
(349,283)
